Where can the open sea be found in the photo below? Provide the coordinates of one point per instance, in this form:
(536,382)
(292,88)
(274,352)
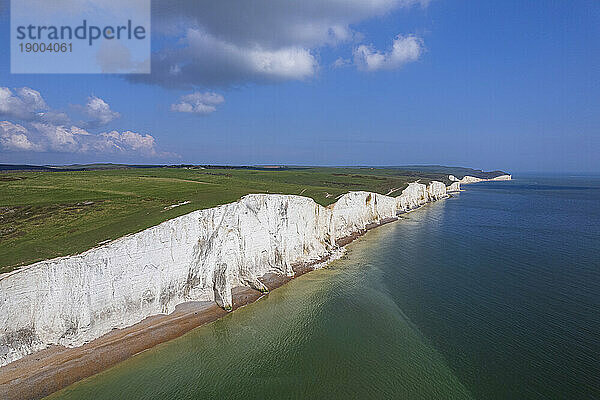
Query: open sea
(491,294)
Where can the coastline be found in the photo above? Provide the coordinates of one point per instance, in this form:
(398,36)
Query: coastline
(47,371)
(200,256)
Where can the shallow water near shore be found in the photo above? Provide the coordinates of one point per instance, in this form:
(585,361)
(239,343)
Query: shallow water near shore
(492,294)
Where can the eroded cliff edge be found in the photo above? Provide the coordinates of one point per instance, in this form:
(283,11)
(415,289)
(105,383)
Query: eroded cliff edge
(199,256)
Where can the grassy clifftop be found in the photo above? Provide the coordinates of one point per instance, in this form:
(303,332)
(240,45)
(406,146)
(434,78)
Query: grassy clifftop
(46,214)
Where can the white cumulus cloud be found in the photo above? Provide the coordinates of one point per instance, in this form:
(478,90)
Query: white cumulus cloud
(60,138)
(14,137)
(99,111)
(128,141)
(47,130)
(63,139)
(198,103)
(22,103)
(404,49)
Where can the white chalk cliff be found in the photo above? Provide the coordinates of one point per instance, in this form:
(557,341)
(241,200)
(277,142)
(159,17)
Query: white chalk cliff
(454,187)
(472,179)
(199,256)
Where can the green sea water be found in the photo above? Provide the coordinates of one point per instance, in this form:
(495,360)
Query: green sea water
(492,294)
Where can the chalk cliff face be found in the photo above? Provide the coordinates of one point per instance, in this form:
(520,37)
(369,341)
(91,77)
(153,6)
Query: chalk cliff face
(198,256)
(471,179)
(454,187)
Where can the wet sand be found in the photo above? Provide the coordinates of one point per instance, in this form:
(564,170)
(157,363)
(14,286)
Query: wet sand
(47,371)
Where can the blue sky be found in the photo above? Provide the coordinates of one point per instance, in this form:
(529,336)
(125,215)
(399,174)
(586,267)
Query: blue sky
(507,85)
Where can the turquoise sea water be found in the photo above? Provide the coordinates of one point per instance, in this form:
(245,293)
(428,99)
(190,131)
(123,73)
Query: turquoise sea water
(492,294)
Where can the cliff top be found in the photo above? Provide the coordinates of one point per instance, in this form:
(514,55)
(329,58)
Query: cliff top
(46,214)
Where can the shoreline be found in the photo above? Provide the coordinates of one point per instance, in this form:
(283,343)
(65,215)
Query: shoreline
(47,371)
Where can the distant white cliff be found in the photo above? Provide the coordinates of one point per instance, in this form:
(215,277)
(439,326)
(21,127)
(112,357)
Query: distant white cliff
(467,179)
(454,187)
(471,179)
(502,178)
(199,256)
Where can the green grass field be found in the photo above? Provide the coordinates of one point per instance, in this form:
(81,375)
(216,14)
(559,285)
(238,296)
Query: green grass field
(50,214)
